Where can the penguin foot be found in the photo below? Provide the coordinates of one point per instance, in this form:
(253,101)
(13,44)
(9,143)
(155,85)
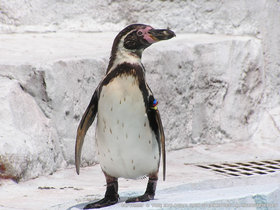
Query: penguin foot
(150,191)
(142,198)
(102,203)
(111,196)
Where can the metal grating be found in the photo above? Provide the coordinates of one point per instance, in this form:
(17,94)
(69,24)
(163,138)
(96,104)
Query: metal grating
(245,168)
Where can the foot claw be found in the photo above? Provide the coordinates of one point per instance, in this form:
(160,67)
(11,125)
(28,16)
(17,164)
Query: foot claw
(102,203)
(142,198)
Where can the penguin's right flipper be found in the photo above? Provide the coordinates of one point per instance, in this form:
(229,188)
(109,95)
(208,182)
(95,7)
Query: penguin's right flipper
(85,123)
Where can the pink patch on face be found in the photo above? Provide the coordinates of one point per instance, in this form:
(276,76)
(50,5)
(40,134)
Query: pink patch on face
(145,34)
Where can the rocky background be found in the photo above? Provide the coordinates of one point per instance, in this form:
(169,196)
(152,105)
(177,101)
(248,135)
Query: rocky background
(218,81)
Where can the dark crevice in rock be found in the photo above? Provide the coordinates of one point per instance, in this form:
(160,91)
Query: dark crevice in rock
(36,87)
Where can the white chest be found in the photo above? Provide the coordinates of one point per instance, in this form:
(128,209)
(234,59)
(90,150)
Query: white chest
(127,146)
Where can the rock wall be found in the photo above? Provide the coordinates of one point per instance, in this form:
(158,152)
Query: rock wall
(218,83)
(230,17)
(206,85)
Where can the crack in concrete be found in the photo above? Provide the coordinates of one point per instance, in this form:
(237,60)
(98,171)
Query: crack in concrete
(273,121)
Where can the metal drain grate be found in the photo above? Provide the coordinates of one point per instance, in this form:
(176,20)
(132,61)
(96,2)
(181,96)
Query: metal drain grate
(245,169)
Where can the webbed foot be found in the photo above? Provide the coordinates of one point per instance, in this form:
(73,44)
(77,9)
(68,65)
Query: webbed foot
(102,203)
(142,198)
(150,191)
(111,196)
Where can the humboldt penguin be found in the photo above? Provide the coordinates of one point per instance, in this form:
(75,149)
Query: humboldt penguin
(129,133)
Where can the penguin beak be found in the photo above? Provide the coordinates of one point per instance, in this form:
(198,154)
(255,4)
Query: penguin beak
(161,34)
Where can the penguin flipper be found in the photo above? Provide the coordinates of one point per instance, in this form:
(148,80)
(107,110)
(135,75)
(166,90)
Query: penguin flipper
(162,141)
(85,123)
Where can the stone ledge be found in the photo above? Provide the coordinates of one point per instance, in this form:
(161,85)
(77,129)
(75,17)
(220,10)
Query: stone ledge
(209,89)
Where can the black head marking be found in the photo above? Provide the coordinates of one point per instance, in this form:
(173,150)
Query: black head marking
(135,41)
(131,41)
(135,38)
(132,36)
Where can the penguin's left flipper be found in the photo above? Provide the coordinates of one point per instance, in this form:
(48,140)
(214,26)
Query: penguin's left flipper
(155,118)
(162,141)
(85,123)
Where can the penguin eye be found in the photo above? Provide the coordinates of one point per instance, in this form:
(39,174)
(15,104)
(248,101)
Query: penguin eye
(139,33)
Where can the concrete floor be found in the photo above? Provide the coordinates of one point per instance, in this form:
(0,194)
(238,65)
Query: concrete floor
(186,186)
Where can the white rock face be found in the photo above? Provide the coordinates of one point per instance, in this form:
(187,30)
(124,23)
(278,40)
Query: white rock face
(29,143)
(200,81)
(207,81)
(211,89)
(54,88)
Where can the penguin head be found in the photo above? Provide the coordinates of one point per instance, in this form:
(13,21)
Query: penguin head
(137,37)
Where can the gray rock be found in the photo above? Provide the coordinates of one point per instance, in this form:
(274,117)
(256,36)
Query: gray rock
(209,90)
(29,142)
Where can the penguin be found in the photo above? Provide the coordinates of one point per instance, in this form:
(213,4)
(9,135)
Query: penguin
(129,133)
